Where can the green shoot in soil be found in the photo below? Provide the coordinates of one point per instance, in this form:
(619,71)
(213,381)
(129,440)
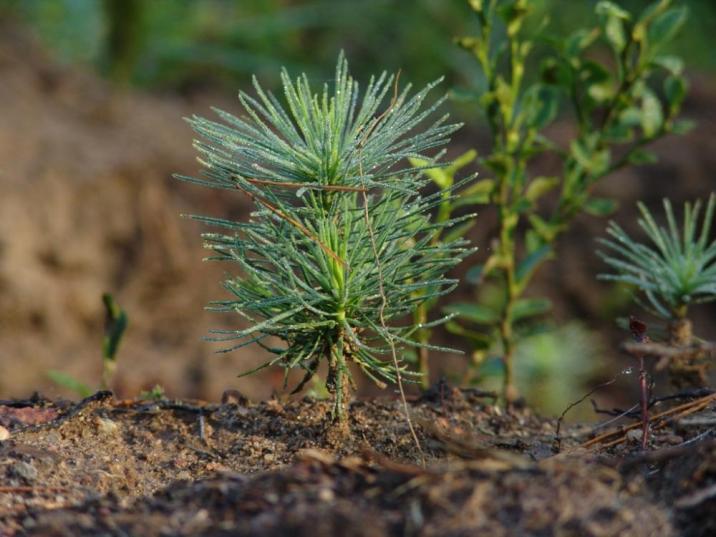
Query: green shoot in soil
(157,393)
(115,323)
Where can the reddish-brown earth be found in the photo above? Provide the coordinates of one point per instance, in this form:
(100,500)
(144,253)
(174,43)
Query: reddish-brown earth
(105,467)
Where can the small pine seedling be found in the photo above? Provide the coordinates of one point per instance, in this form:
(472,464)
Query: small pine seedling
(338,250)
(676,270)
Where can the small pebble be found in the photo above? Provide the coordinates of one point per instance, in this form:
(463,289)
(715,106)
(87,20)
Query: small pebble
(106,426)
(25,470)
(673,439)
(4,433)
(184,476)
(233,397)
(326,495)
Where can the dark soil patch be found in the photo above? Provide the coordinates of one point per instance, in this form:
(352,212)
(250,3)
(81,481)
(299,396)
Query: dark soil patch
(184,468)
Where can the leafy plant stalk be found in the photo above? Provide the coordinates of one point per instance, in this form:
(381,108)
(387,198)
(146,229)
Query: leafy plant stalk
(618,111)
(444,177)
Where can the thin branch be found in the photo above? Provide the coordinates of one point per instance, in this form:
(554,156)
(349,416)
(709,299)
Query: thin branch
(666,351)
(336,188)
(672,413)
(572,405)
(295,223)
(384,298)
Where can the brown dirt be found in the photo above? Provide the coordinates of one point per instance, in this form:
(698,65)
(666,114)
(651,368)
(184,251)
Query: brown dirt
(105,467)
(88,205)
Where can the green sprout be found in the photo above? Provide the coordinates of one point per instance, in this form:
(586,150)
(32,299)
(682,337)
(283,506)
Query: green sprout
(115,323)
(337,253)
(156,393)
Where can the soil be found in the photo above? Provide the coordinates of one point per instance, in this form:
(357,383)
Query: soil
(112,467)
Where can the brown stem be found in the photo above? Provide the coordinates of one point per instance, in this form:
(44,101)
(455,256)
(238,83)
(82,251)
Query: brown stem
(680,332)
(673,414)
(338,384)
(644,391)
(686,369)
(638,332)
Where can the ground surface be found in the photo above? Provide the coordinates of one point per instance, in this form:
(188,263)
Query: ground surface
(106,467)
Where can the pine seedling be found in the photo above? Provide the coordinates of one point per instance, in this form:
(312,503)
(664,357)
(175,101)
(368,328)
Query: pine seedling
(337,253)
(677,269)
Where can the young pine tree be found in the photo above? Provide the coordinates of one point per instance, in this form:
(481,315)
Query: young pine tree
(337,253)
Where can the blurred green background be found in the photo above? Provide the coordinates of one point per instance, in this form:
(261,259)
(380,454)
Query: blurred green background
(172,58)
(177,45)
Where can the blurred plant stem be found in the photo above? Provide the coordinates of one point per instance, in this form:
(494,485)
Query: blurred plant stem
(124,19)
(115,323)
(444,178)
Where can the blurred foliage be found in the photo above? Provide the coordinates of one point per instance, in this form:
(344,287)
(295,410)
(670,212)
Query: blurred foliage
(444,178)
(554,367)
(115,324)
(169,44)
(620,104)
(157,393)
(70,383)
(218,41)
